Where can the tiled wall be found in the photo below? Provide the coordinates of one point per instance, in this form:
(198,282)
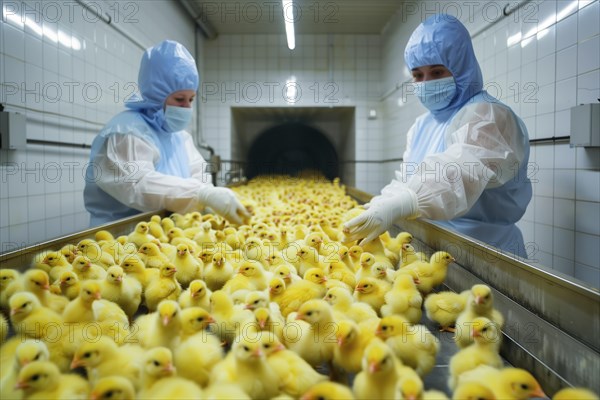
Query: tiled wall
(541,77)
(71,71)
(239,71)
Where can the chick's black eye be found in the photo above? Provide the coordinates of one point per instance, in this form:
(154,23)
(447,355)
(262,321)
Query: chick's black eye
(199,319)
(524,386)
(35,377)
(156,363)
(109,394)
(246,348)
(87,355)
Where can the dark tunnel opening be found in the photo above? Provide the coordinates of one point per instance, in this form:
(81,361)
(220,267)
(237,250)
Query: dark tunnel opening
(289,149)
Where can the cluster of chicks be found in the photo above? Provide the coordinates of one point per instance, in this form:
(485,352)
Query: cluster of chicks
(192,307)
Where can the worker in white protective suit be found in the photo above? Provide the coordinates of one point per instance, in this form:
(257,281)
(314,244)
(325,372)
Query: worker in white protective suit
(143,159)
(466,159)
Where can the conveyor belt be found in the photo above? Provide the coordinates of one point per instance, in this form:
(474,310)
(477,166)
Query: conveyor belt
(552,320)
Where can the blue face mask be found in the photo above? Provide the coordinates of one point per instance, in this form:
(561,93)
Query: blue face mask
(437,94)
(177,118)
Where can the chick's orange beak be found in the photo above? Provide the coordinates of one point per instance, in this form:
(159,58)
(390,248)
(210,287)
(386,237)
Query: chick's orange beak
(539,393)
(21,385)
(373,367)
(76,363)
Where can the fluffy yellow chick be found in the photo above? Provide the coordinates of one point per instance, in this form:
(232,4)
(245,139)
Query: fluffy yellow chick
(473,391)
(313,341)
(380,373)
(228,320)
(344,306)
(159,380)
(160,328)
(382,255)
(351,340)
(112,388)
(479,304)
(408,255)
(43,380)
(328,391)
(198,351)
(403,298)
(432,273)
(156,230)
(218,271)
(367,260)
(69,284)
(56,264)
(287,272)
(372,292)
(311,287)
(246,366)
(251,276)
(445,307)
(91,249)
(151,255)
(225,391)
(37,282)
(102,358)
(188,266)
(338,270)
(411,388)
(86,270)
(135,268)
(355,252)
(140,234)
(296,376)
(269,321)
(29,318)
(395,244)
(165,287)
(575,393)
(3,329)
(506,383)
(307,258)
(415,345)
(121,289)
(80,309)
(9,278)
(205,235)
(196,295)
(483,351)
(26,352)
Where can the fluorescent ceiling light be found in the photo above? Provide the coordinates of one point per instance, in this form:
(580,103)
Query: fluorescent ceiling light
(288,17)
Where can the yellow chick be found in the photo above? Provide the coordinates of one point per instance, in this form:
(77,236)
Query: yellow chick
(86,270)
(408,255)
(188,266)
(26,352)
(160,328)
(506,383)
(415,345)
(575,393)
(9,278)
(475,390)
(403,298)
(351,340)
(328,391)
(307,258)
(165,287)
(29,318)
(344,306)
(372,292)
(112,388)
(3,329)
(479,304)
(380,373)
(445,307)
(251,276)
(225,391)
(355,252)
(311,287)
(196,295)
(338,270)
(205,235)
(218,272)
(43,380)
(287,272)
(269,321)
(80,309)
(228,320)
(159,380)
(91,249)
(411,388)
(140,234)
(483,351)
(431,273)
(367,260)
(156,230)
(198,350)
(395,244)
(55,263)
(135,268)
(103,358)
(296,376)
(151,255)
(121,289)
(313,342)
(169,250)
(69,284)
(246,366)
(37,282)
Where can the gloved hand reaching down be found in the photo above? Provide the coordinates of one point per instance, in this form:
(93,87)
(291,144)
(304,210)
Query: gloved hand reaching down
(224,202)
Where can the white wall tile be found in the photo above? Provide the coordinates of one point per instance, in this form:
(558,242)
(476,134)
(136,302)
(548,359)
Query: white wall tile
(564,184)
(545,183)
(546,69)
(545,124)
(564,243)
(588,55)
(564,214)
(587,249)
(546,45)
(587,185)
(545,97)
(564,156)
(544,156)
(590,275)
(562,123)
(566,94)
(588,157)
(563,265)
(14,42)
(564,63)
(566,32)
(587,217)
(588,21)
(588,87)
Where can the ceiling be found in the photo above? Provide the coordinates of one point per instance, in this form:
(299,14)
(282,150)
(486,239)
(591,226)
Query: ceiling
(311,16)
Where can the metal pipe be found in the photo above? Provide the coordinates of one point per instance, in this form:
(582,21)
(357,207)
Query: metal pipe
(61,144)
(207,29)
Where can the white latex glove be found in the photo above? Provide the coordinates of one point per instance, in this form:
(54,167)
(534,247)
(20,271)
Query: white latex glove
(224,202)
(381,215)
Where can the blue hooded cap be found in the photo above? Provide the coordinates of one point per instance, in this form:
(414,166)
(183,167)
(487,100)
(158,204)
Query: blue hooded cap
(165,68)
(443,40)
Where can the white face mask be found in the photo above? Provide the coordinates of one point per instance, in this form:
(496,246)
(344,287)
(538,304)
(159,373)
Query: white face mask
(436,94)
(177,118)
